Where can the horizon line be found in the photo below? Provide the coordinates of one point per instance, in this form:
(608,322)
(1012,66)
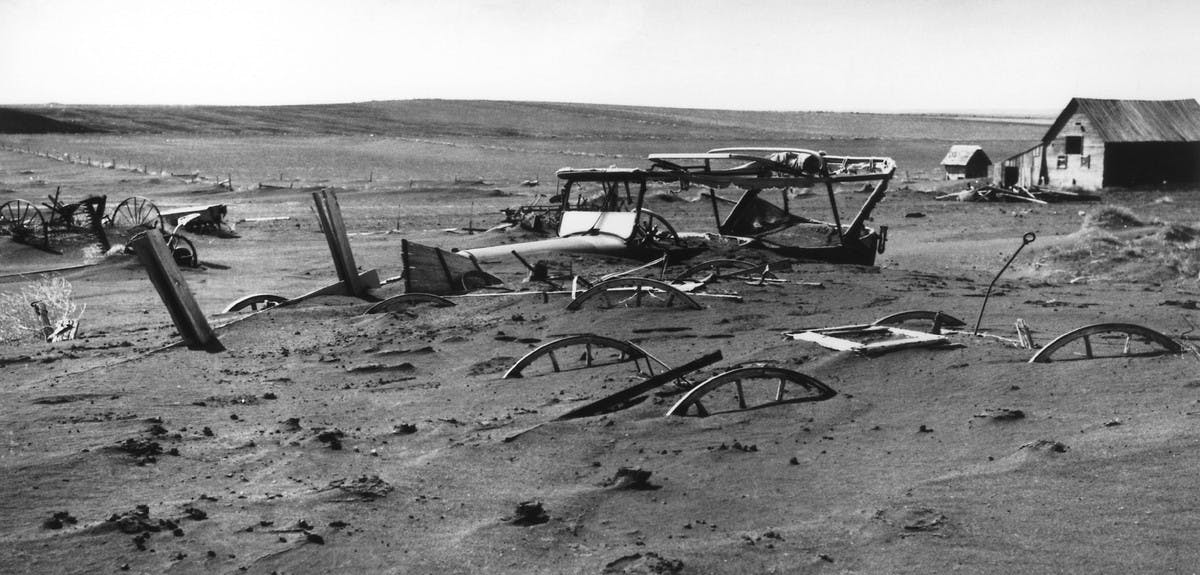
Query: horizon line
(1003,112)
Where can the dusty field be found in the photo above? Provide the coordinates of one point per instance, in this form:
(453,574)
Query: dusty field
(325,441)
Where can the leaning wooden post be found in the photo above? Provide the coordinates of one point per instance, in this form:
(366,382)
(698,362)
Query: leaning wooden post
(189,320)
(330,214)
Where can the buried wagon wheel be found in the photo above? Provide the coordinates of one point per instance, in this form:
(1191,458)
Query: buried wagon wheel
(938,319)
(133,215)
(182,250)
(651,226)
(254,302)
(617,352)
(634,292)
(24,222)
(1109,340)
(404,301)
(753,388)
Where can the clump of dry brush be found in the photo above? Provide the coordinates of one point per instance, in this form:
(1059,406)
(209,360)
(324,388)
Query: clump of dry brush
(18,317)
(1117,243)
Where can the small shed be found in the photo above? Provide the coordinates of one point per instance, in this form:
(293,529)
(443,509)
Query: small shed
(1096,144)
(965,161)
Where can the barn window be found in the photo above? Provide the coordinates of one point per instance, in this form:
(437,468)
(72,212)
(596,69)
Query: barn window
(1074,144)
(1062,162)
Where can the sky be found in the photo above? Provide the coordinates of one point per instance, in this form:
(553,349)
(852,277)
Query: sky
(842,55)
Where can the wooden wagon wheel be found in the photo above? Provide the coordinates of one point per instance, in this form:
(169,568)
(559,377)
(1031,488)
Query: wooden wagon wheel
(134,214)
(1086,333)
(780,385)
(717,269)
(183,250)
(406,300)
(24,222)
(655,227)
(255,302)
(624,351)
(936,317)
(634,292)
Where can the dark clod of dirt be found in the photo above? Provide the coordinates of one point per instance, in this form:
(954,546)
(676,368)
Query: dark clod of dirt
(58,520)
(1046,445)
(404,429)
(333,438)
(366,487)
(290,425)
(138,521)
(314,538)
(924,429)
(632,478)
(1002,414)
(144,450)
(207,431)
(195,514)
(643,563)
(269,395)
(529,513)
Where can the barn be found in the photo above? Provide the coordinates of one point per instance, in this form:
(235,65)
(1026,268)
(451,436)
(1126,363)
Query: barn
(1096,144)
(966,162)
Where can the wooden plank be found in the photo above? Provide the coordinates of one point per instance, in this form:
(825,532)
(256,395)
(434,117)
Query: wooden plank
(333,226)
(181,304)
(1024,335)
(651,383)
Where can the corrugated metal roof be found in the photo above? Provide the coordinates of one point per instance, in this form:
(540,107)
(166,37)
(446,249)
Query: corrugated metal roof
(960,155)
(1135,120)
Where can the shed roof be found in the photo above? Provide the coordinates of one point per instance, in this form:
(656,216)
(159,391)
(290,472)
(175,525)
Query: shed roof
(961,154)
(1135,120)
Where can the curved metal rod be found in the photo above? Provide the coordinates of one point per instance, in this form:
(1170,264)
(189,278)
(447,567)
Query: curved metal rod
(629,352)
(639,286)
(1043,355)
(265,300)
(404,300)
(817,391)
(938,318)
(1026,239)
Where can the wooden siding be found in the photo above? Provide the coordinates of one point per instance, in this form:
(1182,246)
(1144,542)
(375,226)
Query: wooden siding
(1085,170)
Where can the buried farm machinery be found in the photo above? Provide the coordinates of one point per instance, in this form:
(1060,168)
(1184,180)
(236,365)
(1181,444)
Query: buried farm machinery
(56,223)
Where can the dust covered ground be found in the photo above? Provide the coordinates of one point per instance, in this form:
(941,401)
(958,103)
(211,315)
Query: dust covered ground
(324,440)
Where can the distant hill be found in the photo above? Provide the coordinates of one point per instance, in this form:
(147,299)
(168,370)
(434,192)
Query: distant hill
(425,118)
(22,122)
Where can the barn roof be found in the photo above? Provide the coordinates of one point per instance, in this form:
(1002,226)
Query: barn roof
(1135,120)
(961,154)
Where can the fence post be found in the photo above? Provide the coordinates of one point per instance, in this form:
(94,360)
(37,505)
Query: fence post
(152,251)
(330,214)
